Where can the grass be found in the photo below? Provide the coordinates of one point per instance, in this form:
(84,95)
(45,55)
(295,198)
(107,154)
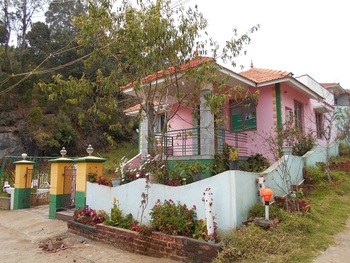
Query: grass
(114,155)
(297,238)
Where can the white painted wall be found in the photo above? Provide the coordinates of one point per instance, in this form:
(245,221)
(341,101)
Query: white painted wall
(234,192)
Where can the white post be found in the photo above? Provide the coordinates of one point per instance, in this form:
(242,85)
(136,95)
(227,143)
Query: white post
(208,203)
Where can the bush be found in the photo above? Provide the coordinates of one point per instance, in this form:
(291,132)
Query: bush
(314,174)
(88,216)
(173,219)
(255,163)
(117,219)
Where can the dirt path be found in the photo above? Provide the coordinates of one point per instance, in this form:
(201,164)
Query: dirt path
(28,235)
(340,252)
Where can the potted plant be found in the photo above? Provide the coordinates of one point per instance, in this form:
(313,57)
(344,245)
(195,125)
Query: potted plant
(233,158)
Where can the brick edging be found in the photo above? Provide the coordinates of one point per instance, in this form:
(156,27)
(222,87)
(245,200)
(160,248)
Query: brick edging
(157,245)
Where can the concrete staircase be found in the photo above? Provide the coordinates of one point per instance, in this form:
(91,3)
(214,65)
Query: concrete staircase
(65,214)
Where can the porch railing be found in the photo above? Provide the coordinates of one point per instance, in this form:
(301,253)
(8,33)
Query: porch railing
(187,142)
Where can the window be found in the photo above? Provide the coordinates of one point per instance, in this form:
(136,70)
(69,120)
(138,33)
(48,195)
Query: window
(289,115)
(298,115)
(160,122)
(319,124)
(243,115)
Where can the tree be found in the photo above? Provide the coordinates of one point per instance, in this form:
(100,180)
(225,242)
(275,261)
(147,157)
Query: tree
(23,14)
(152,37)
(6,17)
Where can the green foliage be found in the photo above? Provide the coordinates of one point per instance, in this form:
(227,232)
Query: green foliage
(297,237)
(258,210)
(183,172)
(222,160)
(35,117)
(117,219)
(173,219)
(344,150)
(314,174)
(89,216)
(255,163)
(289,135)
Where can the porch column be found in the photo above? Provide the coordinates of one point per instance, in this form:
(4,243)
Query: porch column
(144,136)
(57,183)
(89,165)
(23,179)
(206,126)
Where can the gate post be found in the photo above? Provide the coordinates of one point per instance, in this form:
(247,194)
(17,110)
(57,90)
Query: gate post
(86,166)
(23,179)
(57,179)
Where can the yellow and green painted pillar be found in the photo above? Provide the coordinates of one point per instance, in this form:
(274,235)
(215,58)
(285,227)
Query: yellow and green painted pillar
(86,166)
(57,182)
(23,178)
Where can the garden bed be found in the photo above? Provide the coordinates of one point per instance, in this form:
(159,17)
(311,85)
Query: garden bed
(158,245)
(344,166)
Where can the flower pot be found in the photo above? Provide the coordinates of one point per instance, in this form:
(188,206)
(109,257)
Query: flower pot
(234,165)
(116,181)
(153,178)
(287,150)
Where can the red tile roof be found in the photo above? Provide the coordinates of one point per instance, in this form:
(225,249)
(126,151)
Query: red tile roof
(325,85)
(191,64)
(259,75)
(137,107)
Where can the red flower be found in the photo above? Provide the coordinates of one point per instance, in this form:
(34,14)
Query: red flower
(171,201)
(194,207)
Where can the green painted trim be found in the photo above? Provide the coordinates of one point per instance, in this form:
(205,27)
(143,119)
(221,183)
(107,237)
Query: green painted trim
(61,160)
(278,104)
(55,202)
(279,109)
(21,198)
(80,200)
(24,162)
(90,159)
(139,138)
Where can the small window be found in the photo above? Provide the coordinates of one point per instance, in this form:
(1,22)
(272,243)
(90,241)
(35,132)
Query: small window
(298,115)
(319,125)
(160,122)
(289,115)
(243,115)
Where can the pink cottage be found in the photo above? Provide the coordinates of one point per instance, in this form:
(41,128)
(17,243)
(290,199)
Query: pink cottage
(283,98)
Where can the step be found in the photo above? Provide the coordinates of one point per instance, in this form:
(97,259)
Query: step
(65,215)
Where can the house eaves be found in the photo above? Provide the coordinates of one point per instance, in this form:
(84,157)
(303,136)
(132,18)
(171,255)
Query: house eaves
(294,83)
(237,76)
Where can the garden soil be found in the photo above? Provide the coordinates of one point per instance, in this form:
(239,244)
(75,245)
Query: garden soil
(27,235)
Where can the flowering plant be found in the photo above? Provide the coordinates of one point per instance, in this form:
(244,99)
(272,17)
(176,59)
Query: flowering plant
(89,216)
(233,154)
(173,219)
(116,218)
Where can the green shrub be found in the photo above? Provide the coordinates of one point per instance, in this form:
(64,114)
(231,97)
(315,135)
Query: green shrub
(344,150)
(314,174)
(117,219)
(255,163)
(173,219)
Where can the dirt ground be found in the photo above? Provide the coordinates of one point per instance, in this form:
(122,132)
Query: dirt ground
(340,251)
(27,235)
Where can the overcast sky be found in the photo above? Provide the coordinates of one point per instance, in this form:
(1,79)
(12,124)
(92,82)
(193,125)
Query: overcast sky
(300,36)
